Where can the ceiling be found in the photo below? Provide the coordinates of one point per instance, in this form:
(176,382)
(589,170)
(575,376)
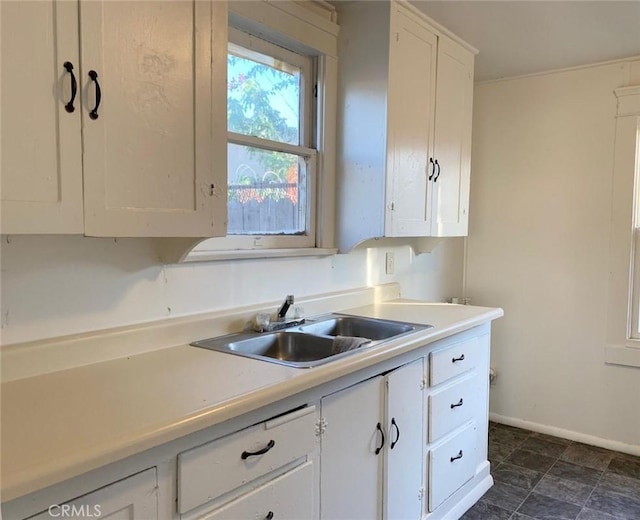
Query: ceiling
(524,37)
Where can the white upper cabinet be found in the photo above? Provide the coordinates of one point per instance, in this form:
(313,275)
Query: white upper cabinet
(41,140)
(151,161)
(404,125)
(410,115)
(452,150)
(150,158)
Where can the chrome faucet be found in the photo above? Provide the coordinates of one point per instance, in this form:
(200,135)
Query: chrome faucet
(263,323)
(288,302)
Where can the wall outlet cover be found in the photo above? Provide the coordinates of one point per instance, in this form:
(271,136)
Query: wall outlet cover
(390,263)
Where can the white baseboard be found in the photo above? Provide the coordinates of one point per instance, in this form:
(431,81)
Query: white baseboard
(632,449)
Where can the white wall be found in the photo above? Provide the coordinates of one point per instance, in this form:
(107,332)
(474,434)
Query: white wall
(54,286)
(538,247)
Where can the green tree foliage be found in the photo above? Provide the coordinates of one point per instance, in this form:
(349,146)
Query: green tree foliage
(250,111)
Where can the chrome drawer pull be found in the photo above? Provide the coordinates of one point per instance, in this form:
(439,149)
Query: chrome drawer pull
(458,456)
(459,403)
(246,454)
(461,358)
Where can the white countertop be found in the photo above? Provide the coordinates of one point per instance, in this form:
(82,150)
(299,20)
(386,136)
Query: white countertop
(60,425)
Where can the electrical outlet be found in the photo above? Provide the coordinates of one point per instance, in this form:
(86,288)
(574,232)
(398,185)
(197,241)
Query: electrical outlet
(390,263)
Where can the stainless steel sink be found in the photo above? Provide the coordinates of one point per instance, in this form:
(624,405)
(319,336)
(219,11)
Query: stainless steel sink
(311,344)
(290,347)
(370,328)
(294,349)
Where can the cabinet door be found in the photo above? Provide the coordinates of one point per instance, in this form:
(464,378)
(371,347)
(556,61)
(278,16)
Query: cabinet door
(410,121)
(454,97)
(404,459)
(133,498)
(155,156)
(350,469)
(41,142)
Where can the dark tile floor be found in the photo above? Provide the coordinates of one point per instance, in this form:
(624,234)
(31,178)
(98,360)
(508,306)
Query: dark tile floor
(539,477)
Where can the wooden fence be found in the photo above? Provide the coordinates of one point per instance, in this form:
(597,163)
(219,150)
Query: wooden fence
(264,208)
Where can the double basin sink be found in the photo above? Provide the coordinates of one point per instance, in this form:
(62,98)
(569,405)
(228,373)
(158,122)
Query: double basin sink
(317,341)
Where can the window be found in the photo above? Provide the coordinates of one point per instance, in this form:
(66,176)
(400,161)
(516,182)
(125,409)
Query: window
(623,320)
(271,166)
(282,88)
(634,332)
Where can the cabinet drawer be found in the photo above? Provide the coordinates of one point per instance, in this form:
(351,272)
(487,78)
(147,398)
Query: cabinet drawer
(218,467)
(451,465)
(451,407)
(288,497)
(453,360)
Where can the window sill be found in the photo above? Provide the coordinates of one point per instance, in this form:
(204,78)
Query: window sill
(185,250)
(623,355)
(247,254)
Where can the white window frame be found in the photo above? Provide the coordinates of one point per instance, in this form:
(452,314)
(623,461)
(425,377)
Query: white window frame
(303,150)
(301,30)
(623,340)
(634,303)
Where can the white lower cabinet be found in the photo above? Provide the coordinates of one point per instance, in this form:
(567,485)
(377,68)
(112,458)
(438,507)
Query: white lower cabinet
(453,360)
(371,446)
(451,406)
(403,462)
(407,442)
(285,498)
(451,464)
(457,420)
(249,461)
(350,468)
(132,498)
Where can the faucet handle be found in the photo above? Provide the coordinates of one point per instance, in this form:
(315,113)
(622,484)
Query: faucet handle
(262,321)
